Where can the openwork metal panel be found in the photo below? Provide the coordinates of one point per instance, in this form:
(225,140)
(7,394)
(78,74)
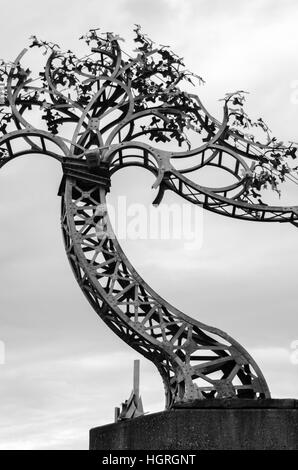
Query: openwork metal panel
(107,111)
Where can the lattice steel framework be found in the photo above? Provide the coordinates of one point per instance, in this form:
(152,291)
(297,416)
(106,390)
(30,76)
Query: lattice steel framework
(123,111)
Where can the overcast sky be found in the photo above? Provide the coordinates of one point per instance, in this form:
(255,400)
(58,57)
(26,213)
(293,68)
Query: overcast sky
(65,370)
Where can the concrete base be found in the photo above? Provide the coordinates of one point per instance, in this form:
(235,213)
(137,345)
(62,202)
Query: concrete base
(206,425)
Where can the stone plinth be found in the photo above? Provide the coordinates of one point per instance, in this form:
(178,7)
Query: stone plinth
(206,425)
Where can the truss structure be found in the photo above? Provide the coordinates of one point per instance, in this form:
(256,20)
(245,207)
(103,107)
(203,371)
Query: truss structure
(124,111)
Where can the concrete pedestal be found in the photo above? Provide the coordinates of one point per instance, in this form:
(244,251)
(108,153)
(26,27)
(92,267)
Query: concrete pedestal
(206,425)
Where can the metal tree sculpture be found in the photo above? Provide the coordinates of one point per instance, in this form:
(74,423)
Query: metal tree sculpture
(124,111)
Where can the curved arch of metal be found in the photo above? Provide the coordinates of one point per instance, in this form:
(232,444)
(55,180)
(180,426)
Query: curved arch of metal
(196,361)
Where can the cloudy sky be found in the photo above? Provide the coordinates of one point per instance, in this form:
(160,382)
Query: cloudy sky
(64,371)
